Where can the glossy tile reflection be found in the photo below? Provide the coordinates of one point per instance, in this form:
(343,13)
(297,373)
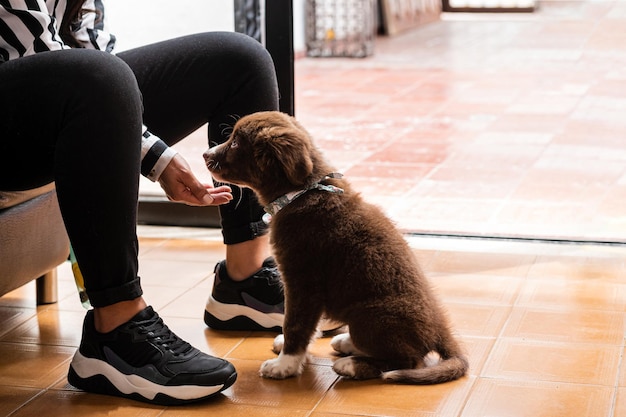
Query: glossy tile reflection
(482,124)
(543,326)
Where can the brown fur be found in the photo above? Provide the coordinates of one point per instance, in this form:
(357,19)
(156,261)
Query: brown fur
(341,257)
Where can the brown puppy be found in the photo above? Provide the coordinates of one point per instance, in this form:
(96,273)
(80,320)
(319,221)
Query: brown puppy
(339,257)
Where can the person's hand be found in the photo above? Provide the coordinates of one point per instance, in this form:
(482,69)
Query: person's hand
(181,185)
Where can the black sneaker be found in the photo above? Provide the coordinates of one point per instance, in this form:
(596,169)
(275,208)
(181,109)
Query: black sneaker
(143,360)
(256,303)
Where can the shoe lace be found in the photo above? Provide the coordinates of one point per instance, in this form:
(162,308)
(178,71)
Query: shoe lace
(157,332)
(271,274)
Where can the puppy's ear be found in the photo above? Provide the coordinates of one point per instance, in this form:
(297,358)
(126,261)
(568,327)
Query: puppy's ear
(292,150)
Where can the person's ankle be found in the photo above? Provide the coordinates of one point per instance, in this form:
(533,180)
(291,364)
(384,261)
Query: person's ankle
(110,317)
(245,258)
(240,272)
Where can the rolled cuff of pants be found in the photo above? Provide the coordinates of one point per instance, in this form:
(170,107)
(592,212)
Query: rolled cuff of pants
(126,292)
(244,233)
(242,217)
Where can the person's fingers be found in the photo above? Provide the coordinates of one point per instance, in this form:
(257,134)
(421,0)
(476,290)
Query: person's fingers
(220,189)
(207,196)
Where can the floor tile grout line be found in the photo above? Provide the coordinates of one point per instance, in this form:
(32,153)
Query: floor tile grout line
(498,337)
(547,382)
(453,236)
(30,400)
(465,401)
(505,322)
(616,386)
(326,392)
(520,239)
(552,343)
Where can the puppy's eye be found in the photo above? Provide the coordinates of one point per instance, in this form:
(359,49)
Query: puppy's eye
(234,144)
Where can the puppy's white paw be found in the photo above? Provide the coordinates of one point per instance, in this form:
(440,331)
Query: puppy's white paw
(279,341)
(282,367)
(344,367)
(342,343)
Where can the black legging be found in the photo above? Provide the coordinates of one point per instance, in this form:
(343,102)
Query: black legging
(74,117)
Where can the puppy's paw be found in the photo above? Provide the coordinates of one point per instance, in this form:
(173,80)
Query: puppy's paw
(282,367)
(342,343)
(279,341)
(345,367)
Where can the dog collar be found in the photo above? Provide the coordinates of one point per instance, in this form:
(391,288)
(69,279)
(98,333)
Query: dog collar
(282,201)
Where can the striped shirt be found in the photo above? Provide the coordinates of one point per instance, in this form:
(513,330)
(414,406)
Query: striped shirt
(31,26)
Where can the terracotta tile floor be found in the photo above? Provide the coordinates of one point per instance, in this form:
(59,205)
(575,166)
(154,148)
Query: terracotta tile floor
(482,124)
(543,325)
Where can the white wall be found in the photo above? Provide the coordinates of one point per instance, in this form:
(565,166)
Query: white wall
(138,22)
(299,19)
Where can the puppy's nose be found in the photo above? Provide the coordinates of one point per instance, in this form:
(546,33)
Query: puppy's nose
(208,155)
(209,159)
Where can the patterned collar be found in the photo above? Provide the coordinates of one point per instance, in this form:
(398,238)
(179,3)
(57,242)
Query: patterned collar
(282,201)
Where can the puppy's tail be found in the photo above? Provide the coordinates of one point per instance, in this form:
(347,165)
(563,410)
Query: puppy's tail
(443,371)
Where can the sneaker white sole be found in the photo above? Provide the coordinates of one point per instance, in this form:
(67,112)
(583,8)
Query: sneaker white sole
(225,312)
(129,384)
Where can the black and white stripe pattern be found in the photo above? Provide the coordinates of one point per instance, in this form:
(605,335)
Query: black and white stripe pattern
(31,26)
(155,155)
(28,27)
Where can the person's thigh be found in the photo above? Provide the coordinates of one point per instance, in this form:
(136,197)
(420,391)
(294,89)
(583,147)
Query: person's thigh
(213,77)
(56,105)
(29,97)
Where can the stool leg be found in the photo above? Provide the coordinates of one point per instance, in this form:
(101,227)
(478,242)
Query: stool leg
(47,288)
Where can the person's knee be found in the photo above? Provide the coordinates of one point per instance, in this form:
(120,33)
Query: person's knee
(257,58)
(241,52)
(99,89)
(104,77)
(253,52)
